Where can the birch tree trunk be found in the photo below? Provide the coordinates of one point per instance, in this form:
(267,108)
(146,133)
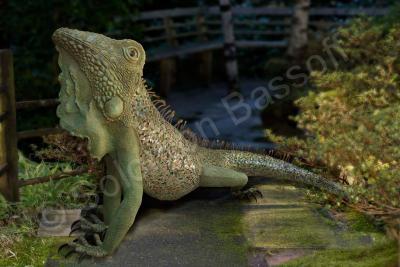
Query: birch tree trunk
(229,45)
(299,32)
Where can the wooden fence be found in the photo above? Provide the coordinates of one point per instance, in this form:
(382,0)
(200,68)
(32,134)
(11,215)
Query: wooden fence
(167,34)
(8,127)
(10,183)
(192,30)
(174,33)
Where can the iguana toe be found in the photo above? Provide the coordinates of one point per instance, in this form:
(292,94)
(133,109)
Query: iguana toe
(82,247)
(248,194)
(84,225)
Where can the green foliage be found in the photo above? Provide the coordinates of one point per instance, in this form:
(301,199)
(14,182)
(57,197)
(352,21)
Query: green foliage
(384,254)
(351,117)
(66,193)
(27,27)
(70,192)
(18,222)
(29,251)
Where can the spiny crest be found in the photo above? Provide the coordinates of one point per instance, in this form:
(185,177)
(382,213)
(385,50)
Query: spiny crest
(220,144)
(170,116)
(166,111)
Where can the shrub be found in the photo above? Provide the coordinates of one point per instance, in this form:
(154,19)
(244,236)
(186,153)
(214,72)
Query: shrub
(352,118)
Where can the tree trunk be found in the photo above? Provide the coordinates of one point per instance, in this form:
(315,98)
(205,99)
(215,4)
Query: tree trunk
(299,32)
(229,45)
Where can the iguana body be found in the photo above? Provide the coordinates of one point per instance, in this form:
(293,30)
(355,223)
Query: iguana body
(104,99)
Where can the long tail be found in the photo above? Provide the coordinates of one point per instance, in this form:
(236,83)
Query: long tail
(253,164)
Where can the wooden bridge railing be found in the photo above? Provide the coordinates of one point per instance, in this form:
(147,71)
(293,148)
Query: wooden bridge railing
(254,27)
(172,33)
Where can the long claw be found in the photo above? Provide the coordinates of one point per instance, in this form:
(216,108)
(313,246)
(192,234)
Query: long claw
(74,230)
(95,219)
(82,257)
(97,239)
(249,194)
(83,241)
(61,247)
(75,223)
(69,253)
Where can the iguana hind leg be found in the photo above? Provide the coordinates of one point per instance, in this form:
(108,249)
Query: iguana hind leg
(214,176)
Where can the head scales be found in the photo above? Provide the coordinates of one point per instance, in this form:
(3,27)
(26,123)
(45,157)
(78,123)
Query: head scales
(114,69)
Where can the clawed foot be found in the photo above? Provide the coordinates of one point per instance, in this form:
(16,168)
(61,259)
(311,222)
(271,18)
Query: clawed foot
(90,243)
(83,248)
(84,225)
(248,194)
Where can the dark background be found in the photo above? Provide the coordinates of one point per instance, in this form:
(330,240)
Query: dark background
(26,27)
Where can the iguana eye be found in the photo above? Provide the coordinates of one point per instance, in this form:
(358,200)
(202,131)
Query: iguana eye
(131,53)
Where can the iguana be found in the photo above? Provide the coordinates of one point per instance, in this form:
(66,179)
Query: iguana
(104,98)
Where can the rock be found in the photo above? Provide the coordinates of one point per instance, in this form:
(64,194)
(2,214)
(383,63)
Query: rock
(57,222)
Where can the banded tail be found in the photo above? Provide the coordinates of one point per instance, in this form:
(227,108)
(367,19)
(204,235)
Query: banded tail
(253,164)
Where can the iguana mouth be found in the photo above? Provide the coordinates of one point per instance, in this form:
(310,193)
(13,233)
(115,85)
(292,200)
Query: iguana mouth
(67,92)
(67,85)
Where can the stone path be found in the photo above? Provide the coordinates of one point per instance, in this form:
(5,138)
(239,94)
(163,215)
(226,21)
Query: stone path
(197,105)
(210,228)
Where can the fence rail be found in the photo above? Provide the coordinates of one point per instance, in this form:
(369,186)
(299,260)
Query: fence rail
(55,177)
(174,33)
(38,133)
(9,137)
(36,104)
(183,21)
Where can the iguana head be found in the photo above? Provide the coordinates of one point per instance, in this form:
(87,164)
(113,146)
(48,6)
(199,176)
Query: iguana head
(100,79)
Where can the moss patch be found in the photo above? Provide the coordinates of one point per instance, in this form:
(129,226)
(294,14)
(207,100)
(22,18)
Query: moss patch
(385,254)
(221,224)
(18,222)
(282,219)
(30,251)
(228,227)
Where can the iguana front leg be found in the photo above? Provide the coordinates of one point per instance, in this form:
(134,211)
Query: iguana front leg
(111,195)
(123,167)
(130,179)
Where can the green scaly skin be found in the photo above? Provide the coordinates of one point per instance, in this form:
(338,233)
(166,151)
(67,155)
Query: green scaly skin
(104,99)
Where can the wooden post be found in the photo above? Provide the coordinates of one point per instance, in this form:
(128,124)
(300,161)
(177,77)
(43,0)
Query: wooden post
(299,33)
(229,45)
(9,185)
(206,57)
(168,65)
(168,75)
